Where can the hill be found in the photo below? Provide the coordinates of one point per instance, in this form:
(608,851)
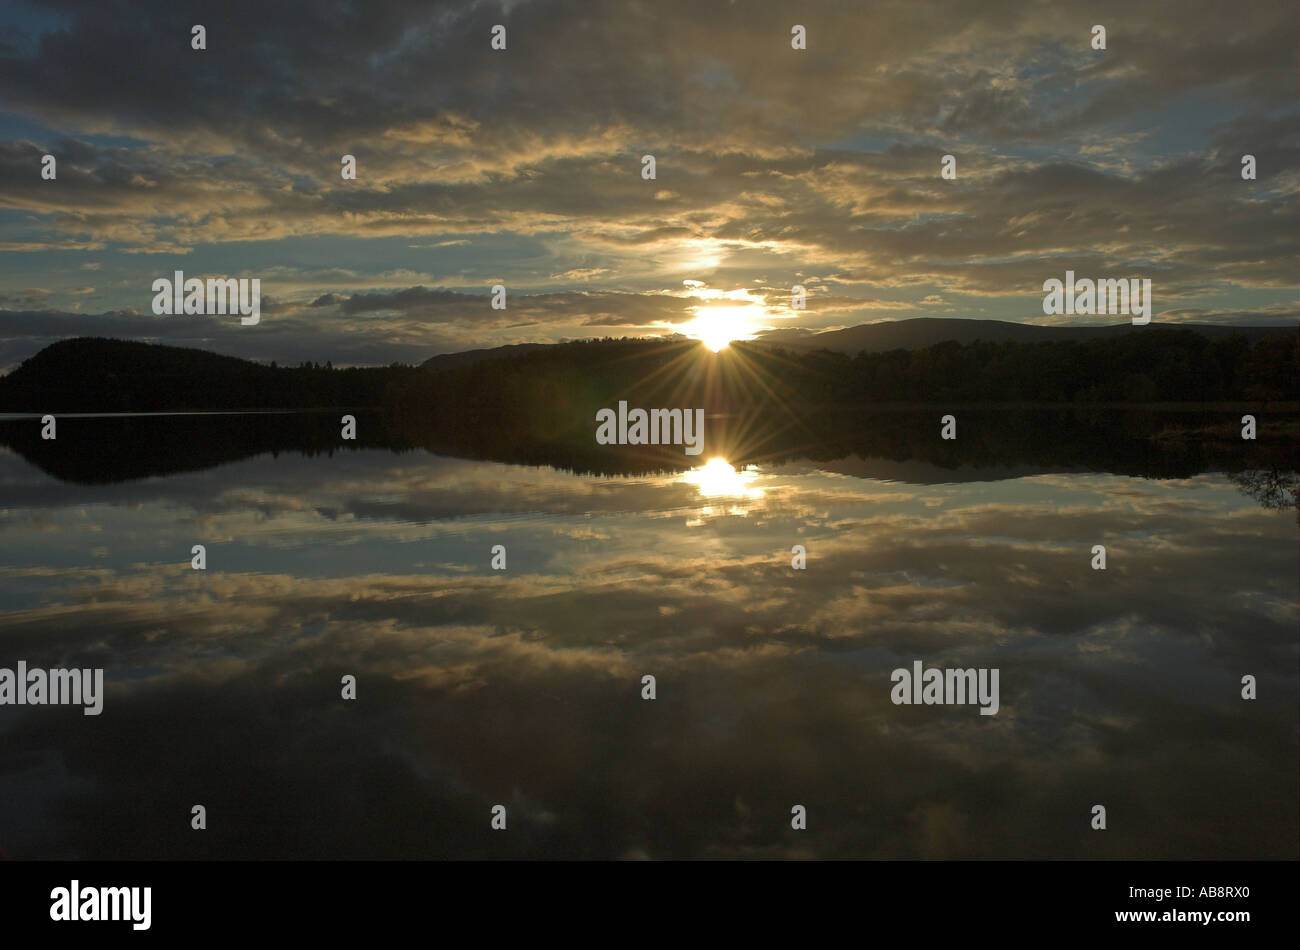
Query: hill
(447,360)
(927,331)
(563,384)
(94,374)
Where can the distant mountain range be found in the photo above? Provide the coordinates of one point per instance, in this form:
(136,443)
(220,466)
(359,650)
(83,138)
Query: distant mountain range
(927,331)
(911,334)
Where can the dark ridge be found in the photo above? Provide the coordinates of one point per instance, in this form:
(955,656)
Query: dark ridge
(555,390)
(927,331)
(93,374)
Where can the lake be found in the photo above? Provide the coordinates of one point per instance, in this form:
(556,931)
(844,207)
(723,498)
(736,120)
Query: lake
(523,687)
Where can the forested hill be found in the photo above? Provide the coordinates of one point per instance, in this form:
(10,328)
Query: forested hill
(921,332)
(92,374)
(569,381)
(1150,364)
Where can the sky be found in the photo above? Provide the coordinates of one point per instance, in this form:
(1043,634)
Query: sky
(522,166)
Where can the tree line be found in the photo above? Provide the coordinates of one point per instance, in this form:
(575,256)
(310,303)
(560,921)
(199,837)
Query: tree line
(560,387)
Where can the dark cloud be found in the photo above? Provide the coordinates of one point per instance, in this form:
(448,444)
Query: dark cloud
(770,161)
(569,309)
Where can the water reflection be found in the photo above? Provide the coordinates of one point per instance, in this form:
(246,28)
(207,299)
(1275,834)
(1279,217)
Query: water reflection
(720,481)
(522,687)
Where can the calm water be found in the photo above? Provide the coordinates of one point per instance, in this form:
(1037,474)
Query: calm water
(523,687)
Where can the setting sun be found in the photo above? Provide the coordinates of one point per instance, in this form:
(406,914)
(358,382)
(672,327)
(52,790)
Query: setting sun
(716,326)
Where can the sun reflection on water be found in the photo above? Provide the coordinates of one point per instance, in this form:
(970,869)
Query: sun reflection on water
(719,479)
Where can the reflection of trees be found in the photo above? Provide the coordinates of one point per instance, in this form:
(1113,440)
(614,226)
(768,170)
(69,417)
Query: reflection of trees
(1272,489)
(107,449)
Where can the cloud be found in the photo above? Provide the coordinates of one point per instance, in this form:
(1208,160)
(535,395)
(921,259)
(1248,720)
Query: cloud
(509,166)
